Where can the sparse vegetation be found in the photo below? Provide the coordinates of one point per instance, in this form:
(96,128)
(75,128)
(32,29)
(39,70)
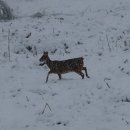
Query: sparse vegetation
(39,14)
(5,11)
(67,29)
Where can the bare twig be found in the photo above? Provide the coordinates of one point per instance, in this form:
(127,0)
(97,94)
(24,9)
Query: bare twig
(108,43)
(27,98)
(46,105)
(53,31)
(9,43)
(107,82)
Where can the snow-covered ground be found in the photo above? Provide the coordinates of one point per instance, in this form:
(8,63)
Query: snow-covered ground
(98,30)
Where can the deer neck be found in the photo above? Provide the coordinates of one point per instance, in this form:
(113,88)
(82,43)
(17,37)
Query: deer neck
(49,63)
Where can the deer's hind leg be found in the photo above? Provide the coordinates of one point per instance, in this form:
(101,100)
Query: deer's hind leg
(59,76)
(85,69)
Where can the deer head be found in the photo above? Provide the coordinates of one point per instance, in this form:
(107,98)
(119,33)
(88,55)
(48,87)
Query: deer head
(44,57)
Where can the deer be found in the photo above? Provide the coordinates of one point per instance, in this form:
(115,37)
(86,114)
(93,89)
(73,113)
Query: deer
(64,66)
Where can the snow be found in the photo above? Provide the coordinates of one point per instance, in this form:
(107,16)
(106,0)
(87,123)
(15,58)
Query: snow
(99,31)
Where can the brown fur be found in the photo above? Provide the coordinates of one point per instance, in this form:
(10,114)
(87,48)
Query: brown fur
(60,67)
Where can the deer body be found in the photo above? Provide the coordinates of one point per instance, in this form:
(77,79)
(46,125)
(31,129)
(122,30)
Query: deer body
(64,66)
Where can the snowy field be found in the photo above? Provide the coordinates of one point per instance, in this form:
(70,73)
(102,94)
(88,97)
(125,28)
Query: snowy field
(98,30)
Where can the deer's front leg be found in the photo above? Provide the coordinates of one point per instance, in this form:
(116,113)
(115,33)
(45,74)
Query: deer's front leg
(48,76)
(85,69)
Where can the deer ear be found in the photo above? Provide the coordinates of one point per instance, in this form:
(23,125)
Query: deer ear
(45,52)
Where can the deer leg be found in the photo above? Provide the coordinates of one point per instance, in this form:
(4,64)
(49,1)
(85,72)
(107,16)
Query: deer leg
(81,74)
(59,76)
(85,69)
(48,76)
